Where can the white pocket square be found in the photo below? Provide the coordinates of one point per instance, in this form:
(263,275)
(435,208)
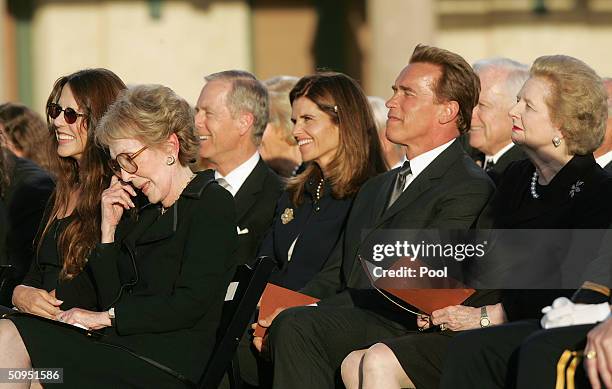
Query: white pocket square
(242,232)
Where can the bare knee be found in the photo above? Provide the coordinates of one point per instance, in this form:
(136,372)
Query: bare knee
(380,364)
(13,351)
(351,369)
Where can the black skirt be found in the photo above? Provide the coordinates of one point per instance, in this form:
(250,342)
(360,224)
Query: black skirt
(422,356)
(86,360)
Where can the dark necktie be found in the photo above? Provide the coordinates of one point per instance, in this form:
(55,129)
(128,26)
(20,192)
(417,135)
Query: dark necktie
(489,164)
(400,182)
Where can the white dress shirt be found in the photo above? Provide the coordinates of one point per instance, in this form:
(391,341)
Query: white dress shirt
(495,157)
(605,159)
(418,164)
(234,180)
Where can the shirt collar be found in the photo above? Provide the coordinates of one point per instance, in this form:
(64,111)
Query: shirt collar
(238,176)
(495,157)
(605,159)
(420,163)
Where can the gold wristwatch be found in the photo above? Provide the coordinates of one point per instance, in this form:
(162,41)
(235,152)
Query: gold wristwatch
(484,318)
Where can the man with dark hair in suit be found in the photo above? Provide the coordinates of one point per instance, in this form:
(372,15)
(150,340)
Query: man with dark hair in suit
(500,81)
(439,186)
(231,116)
(603,154)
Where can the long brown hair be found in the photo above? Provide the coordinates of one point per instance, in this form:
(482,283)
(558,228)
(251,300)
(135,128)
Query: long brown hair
(94,91)
(358,156)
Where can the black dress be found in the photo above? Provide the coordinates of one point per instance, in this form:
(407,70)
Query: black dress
(44,273)
(310,231)
(488,357)
(166,276)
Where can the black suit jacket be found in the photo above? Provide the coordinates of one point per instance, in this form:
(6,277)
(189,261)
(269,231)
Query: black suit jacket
(167,275)
(608,168)
(515,153)
(255,204)
(449,194)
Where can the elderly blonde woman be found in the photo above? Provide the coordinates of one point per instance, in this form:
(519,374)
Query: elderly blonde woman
(559,120)
(161,276)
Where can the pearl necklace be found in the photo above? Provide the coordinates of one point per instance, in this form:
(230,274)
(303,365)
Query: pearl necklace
(319,187)
(318,195)
(534,182)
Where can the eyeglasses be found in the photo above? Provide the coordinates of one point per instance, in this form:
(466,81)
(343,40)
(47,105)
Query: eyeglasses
(70,115)
(126,162)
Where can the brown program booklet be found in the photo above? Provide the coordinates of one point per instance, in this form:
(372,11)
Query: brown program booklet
(275,297)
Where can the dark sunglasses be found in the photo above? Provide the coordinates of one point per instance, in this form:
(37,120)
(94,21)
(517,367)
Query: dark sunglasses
(70,115)
(126,162)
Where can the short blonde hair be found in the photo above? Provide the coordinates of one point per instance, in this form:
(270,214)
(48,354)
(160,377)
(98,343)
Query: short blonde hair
(151,113)
(577,102)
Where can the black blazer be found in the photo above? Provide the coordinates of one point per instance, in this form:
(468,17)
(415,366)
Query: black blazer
(167,275)
(317,226)
(560,206)
(255,203)
(515,153)
(608,167)
(26,200)
(450,194)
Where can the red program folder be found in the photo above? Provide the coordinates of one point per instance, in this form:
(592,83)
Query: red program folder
(275,297)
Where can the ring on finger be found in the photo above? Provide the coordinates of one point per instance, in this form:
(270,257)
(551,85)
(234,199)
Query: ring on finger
(591,354)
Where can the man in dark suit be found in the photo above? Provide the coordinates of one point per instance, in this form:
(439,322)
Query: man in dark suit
(438,187)
(231,116)
(500,81)
(603,154)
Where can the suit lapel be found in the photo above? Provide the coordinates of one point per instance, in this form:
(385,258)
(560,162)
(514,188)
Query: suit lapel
(425,180)
(247,194)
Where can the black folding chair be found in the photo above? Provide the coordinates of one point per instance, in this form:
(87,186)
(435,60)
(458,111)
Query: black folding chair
(7,284)
(242,297)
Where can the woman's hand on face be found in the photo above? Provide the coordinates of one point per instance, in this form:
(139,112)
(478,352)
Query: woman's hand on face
(89,319)
(115,200)
(36,301)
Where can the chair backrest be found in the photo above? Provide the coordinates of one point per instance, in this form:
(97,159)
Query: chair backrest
(7,284)
(241,300)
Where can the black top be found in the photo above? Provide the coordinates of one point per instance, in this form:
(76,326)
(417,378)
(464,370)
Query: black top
(167,276)
(317,225)
(78,291)
(577,197)
(25,201)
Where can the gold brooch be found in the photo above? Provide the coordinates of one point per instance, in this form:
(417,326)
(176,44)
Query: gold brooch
(287,216)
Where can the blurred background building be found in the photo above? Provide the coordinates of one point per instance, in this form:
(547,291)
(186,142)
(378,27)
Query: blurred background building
(177,42)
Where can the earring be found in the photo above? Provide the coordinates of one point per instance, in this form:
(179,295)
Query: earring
(170,160)
(556,141)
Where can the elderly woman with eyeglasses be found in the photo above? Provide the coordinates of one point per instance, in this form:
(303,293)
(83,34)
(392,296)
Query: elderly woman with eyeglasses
(56,280)
(161,275)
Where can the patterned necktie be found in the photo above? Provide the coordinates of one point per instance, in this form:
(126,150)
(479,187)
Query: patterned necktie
(489,164)
(400,182)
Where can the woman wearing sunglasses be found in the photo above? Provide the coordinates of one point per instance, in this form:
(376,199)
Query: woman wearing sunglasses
(161,277)
(57,281)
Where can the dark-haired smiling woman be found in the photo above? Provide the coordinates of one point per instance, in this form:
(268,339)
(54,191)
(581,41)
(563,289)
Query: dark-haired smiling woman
(57,280)
(336,133)
(161,277)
